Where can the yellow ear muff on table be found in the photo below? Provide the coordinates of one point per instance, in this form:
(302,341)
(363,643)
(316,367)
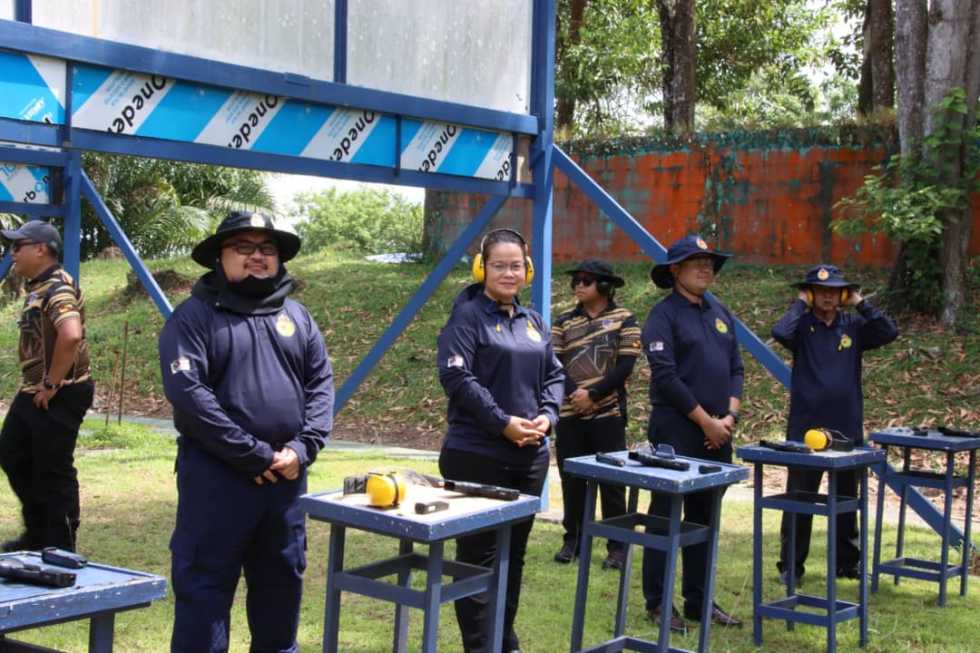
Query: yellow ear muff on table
(817,439)
(385,490)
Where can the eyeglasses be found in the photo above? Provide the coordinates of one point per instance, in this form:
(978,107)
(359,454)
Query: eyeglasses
(247,248)
(585,281)
(17,244)
(500,267)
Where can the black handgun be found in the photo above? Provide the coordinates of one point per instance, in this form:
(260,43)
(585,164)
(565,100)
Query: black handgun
(32,574)
(651,460)
(709,469)
(956,433)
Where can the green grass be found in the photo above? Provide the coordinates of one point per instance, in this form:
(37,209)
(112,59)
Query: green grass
(928,376)
(128,504)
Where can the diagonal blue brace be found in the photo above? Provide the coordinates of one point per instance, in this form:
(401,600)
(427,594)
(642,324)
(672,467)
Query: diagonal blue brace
(119,236)
(418,300)
(5,264)
(605,202)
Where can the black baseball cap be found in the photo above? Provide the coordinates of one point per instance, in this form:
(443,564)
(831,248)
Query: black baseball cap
(36,231)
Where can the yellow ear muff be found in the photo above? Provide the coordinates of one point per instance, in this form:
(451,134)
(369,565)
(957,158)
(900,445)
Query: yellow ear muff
(385,490)
(809,297)
(817,439)
(844,294)
(479,274)
(528,270)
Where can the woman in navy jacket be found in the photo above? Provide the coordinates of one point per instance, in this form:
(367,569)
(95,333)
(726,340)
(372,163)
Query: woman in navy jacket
(504,386)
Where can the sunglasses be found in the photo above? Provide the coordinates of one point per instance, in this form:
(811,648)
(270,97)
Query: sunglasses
(583,280)
(17,244)
(247,248)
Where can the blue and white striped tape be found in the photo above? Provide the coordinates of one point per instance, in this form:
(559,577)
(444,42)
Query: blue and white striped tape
(152,106)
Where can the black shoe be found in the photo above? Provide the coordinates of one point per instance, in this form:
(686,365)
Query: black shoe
(677,624)
(566,553)
(615,560)
(21,543)
(718,617)
(784,578)
(848,572)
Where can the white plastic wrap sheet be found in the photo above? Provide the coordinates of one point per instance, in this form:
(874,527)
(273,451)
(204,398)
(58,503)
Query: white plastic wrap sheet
(474,52)
(6,9)
(293,36)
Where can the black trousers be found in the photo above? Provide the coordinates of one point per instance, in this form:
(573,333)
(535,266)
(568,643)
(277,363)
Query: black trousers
(581,437)
(37,452)
(848,550)
(480,549)
(669,427)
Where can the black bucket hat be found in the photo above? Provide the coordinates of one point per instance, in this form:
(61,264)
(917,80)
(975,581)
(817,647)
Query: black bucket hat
(825,275)
(36,231)
(682,250)
(600,270)
(208,250)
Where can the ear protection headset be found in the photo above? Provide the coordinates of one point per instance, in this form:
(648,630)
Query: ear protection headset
(385,490)
(479,271)
(824,439)
(845,293)
(604,286)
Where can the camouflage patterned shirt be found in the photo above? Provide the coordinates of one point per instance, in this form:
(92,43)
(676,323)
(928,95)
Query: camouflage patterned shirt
(52,298)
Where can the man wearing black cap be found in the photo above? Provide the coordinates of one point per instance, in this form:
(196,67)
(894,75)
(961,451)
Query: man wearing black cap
(827,345)
(37,444)
(251,385)
(597,343)
(695,390)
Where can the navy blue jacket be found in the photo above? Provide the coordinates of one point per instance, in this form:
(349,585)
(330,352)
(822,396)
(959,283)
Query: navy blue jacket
(826,380)
(492,366)
(693,355)
(244,386)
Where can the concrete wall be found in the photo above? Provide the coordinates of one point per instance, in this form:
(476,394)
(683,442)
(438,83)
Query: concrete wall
(769,197)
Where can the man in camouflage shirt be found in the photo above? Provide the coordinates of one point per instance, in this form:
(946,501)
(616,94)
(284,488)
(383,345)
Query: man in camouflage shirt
(37,443)
(598,343)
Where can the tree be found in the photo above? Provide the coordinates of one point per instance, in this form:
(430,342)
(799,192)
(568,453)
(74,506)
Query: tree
(877,85)
(679,55)
(367,221)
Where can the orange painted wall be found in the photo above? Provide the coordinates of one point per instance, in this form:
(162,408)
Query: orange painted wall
(766,204)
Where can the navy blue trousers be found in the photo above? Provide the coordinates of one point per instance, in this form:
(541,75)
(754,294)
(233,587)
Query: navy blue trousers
(226,524)
(668,427)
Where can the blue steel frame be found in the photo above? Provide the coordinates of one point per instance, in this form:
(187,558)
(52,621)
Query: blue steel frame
(20,35)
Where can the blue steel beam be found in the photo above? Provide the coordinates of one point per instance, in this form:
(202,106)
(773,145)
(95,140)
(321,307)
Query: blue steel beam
(72,235)
(119,236)
(5,264)
(922,506)
(543,105)
(34,157)
(224,156)
(35,133)
(418,300)
(33,210)
(340,41)
(21,37)
(656,251)
(23,11)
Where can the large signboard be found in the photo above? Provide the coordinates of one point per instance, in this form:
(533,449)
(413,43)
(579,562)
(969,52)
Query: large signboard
(153,106)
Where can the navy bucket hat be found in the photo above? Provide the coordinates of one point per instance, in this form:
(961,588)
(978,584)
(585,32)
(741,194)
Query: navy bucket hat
(682,250)
(208,250)
(825,275)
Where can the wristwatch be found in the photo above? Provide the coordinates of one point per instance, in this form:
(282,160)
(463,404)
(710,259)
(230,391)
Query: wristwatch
(46,382)
(734,414)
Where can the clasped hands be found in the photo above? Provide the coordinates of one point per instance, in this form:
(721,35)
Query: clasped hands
(523,432)
(285,462)
(717,431)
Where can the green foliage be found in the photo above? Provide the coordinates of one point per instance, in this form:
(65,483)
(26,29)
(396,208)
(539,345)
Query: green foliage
(369,221)
(909,195)
(165,207)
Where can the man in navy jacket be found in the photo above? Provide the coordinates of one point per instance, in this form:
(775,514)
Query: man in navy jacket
(827,345)
(247,372)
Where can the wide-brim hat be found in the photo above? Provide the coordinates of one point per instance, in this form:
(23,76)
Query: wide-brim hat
(208,250)
(825,275)
(600,270)
(681,250)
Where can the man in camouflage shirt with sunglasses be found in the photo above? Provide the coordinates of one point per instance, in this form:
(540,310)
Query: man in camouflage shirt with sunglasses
(37,443)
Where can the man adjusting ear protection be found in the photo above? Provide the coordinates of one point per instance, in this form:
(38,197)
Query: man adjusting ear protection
(826,406)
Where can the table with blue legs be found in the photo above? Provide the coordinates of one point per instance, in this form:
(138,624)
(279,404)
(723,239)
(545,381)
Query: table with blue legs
(667,534)
(98,594)
(928,440)
(828,505)
(465,516)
